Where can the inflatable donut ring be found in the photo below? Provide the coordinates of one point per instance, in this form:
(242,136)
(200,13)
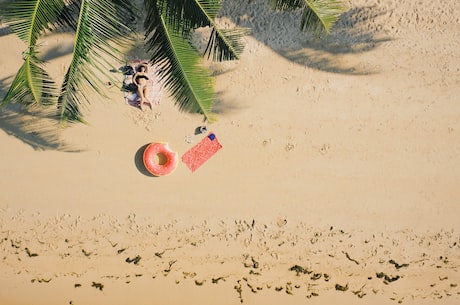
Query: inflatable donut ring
(159,159)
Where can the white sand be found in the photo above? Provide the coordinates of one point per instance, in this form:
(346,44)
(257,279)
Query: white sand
(338,157)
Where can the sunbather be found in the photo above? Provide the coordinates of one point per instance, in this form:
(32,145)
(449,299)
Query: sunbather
(140,79)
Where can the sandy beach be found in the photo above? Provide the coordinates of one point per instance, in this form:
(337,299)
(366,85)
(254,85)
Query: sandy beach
(337,181)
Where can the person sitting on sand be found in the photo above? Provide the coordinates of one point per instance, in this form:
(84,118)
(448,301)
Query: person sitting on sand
(140,79)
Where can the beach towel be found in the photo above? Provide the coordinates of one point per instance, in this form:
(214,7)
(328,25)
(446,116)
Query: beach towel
(201,152)
(155,91)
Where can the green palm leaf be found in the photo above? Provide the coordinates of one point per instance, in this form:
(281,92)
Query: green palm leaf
(223,44)
(318,16)
(28,20)
(32,85)
(187,15)
(98,26)
(226,44)
(190,83)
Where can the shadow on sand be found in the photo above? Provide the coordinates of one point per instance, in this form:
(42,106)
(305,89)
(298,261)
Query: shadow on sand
(358,30)
(37,127)
(139,161)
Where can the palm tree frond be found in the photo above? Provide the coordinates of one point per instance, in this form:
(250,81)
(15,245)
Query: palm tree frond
(226,44)
(28,19)
(98,26)
(190,83)
(32,85)
(127,11)
(187,15)
(319,16)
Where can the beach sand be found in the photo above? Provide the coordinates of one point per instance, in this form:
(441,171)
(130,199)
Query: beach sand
(337,181)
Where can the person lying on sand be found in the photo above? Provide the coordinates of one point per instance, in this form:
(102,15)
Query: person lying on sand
(140,79)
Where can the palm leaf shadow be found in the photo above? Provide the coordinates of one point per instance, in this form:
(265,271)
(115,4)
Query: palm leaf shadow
(222,105)
(4,30)
(357,31)
(139,161)
(38,128)
(57,51)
